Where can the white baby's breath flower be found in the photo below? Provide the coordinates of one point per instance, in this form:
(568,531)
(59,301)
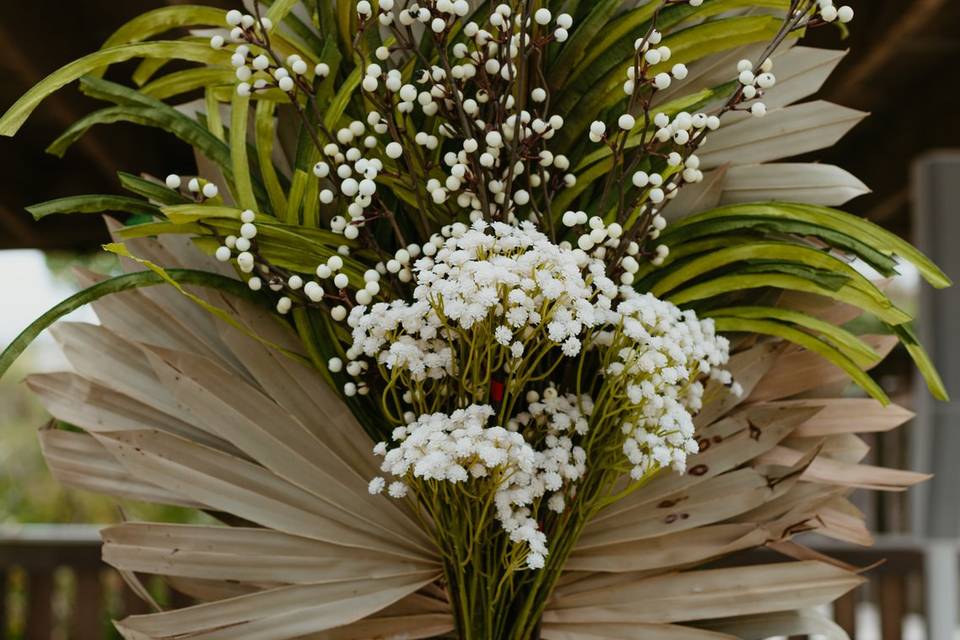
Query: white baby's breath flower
(460,448)
(376,486)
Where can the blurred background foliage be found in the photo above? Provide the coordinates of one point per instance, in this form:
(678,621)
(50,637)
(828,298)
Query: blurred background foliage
(30,493)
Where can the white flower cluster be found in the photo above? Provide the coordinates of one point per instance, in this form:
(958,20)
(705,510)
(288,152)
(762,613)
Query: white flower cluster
(458,448)
(661,353)
(516,289)
(512,278)
(558,420)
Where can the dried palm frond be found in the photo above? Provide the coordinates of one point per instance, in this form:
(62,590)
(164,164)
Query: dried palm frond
(186,409)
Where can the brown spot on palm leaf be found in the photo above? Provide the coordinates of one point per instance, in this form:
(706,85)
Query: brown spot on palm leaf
(736,446)
(723,497)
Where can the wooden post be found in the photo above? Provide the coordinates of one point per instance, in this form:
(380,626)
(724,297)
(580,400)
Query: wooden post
(941,586)
(845,613)
(40,605)
(936,194)
(132,604)
(4,620)
(88,620)
(892,605)
(935,505)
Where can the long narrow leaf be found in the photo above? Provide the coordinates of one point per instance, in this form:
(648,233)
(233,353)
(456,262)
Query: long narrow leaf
(849,344)
(775,251)
(923,362)
(92,204)
(880,307)
(265,133)
(153,191)
(853,226)
(14,118)
(238,152)
(153,23)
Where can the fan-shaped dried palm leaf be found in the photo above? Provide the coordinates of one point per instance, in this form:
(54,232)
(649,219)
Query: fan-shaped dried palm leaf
(175,418)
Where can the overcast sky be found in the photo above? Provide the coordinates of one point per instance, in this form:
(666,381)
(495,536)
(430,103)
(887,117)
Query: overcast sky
(27,290)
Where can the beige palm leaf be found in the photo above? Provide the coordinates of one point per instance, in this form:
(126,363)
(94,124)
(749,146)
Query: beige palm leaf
(742,161)
(178,407)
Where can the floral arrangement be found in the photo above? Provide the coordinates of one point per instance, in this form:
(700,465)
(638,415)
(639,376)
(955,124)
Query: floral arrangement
(479,320)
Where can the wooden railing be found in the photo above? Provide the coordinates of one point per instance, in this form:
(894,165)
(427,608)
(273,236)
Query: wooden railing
(895,588)
(53,585)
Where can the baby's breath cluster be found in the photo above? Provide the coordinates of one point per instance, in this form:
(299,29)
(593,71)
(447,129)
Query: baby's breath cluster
(503,291)
(492,462)
(655,360)
(461,448)
(558,423)
(497,309)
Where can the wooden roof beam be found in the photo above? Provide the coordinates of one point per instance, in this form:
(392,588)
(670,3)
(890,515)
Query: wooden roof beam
(913,19)
(64,115)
